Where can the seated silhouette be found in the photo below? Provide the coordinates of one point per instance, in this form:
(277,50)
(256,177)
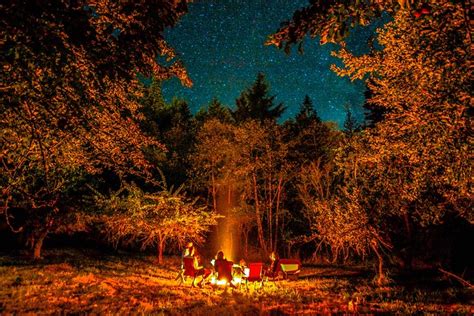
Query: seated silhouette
(223,269)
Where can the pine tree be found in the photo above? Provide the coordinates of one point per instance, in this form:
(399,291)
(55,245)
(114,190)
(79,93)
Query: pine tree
(215,110)
(350,123)
(307,114)
(254,103)
(153,108)
(310,139)
(374,113)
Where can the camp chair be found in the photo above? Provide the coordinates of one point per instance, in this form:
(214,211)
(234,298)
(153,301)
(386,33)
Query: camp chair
(255,273)
(224,271)
(290,268)
(189,270)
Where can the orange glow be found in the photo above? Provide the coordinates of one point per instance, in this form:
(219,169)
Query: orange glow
(214,281)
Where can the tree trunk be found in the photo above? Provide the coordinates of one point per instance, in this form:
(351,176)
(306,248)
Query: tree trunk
(246,242)
(277,211)
(214,198)
(408,257)
(381,279)
(261,238)
(161,246)
(38,245)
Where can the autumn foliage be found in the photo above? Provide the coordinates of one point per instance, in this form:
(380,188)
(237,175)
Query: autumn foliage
(87,139)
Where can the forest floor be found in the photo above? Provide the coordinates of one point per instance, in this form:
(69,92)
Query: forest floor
(86,281)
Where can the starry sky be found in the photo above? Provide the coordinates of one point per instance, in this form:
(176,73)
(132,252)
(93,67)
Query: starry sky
(222,45)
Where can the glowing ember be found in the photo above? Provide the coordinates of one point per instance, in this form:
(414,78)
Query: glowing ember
(214,281)
(223,282)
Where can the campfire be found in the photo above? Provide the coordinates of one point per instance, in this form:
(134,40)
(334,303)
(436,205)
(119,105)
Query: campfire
(230,276)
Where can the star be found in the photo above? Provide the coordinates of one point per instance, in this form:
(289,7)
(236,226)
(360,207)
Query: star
(222,46)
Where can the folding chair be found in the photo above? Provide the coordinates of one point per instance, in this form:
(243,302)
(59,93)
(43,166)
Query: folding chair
(255,273)
(189,270)
(224,271)
(290,268)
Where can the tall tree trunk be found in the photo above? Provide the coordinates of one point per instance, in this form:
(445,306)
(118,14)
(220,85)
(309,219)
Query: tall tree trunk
(408,258)
(214,198)
(261,237)
(381,279)
(38,244)
(246,242)
(277,210)
(161,246)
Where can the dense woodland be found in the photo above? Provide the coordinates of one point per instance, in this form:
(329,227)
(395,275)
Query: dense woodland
(90,148)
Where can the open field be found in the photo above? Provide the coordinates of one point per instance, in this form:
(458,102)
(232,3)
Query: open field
(74,281)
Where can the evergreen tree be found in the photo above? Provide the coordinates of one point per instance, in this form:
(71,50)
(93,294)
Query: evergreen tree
(173,126)
(310,139)
(374,113)
(350,123)
(254,103)
(307,113)
(153,108)
(178,134)
(215,110)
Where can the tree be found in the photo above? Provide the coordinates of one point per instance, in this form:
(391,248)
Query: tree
(69,99)
(153,219)
(427,123)
(308,137)
(254,103)
(246,163)
(215,110)
(332,20)
(403,170)
(339,211)
(307,114)
(350,124)
(154,109)
(373,112)
(309,141)
(39,163)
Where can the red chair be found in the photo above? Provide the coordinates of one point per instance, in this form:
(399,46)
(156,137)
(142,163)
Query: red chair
(224,270)
(255,273)
(189,270)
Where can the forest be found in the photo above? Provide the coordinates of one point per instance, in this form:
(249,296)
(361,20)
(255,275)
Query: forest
(93,159)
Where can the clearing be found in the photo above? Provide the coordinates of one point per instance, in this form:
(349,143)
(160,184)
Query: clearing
(87,281)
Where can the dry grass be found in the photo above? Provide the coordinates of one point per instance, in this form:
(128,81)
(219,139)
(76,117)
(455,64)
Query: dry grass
(72,281)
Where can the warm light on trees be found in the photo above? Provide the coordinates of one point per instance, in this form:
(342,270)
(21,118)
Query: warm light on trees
(153,219)
(414,165)
(69,100)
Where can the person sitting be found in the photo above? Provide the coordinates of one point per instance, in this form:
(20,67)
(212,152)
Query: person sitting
(221,267)
(200,269)
(273,267)
(188,251)
(241,270)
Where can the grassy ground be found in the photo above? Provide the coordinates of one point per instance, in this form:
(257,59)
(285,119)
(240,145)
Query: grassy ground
(75,281)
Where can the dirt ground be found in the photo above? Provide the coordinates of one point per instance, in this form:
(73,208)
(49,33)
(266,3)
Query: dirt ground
(85,281)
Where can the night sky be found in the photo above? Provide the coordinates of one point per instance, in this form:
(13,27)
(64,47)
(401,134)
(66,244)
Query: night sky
(222,45)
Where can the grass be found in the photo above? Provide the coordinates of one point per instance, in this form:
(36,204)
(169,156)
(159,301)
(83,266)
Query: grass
(86,281)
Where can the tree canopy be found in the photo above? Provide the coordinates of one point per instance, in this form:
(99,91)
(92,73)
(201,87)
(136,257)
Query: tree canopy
(70,92)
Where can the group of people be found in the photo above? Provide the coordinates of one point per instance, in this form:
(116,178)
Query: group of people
(218,265)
